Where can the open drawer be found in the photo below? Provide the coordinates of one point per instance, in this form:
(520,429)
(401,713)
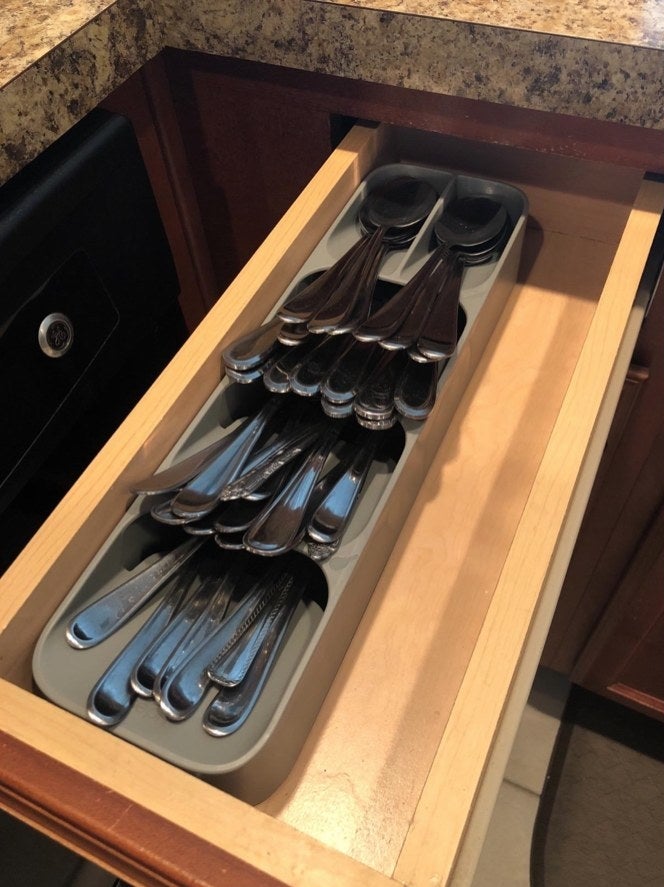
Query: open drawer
(397,774)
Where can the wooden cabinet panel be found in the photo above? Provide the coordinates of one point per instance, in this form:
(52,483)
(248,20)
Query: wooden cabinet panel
(626,497)
(145,100)
(252,147)
(623,659)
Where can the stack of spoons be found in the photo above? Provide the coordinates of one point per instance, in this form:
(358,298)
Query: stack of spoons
(326,339)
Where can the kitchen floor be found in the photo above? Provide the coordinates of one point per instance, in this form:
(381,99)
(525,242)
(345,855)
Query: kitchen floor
(505,857)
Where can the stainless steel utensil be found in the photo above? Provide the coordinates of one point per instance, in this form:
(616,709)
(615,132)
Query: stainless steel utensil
(105,615)
(321,551)
(230,669)
(272,459)
(155,655)
(375,399)
(113,695)
(283,522)
(233,705)
(351,300)
(301,307)
(201,495)
(171,479)
(470,230)
(330,519)
(308,375)
(415,392)
(252,349)
(277,378)
(348,371)
(438,338)
(218,593)
(182,692)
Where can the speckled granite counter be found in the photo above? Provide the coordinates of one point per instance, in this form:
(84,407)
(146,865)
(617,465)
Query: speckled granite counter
(59,58)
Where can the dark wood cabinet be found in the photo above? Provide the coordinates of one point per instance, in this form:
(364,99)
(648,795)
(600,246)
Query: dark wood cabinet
(623,657)
(608,630)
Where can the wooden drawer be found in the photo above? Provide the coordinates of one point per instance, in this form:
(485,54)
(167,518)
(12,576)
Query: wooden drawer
(398,776)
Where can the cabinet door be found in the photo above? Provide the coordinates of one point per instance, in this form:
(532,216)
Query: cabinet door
(623,659)
(626,497)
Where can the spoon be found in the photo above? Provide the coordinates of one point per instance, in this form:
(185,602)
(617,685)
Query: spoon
(438,338)
(470,229)
(351,300)
(390,216)
(469,232)
(301,307)
(330,519)
(282,524)
(105,615)
(397,206)
(113,695)
(387,320)
(428,283)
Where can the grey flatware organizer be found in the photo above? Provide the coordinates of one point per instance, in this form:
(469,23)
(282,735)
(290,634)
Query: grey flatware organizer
(253,761)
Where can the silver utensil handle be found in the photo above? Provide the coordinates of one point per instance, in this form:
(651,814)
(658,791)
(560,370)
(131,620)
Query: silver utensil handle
(113,695)
(184,689)
(280,526)
(232,706)
(231,669)
(104,616)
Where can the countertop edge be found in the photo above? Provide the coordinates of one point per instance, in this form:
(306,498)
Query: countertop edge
(537,71)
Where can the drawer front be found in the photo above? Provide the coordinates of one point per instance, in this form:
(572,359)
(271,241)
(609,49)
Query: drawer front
(414,714)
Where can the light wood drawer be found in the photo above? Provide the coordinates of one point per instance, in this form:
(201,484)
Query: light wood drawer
(397,778)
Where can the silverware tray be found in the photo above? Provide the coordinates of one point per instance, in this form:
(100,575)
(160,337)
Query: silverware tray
(253,761)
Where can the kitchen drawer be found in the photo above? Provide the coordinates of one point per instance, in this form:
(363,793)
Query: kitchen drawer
(396,779)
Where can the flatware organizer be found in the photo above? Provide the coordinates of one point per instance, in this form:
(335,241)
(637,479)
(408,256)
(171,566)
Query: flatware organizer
(253,761)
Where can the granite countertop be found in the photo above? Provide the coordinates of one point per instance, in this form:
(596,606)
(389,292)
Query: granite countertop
(603,60)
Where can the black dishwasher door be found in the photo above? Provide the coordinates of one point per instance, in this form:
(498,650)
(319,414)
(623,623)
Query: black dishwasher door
(89,313)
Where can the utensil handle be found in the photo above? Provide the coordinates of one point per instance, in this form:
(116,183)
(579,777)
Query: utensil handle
(102,617)
(232,706)
(302,306)
(184,688)
(387,320)
(201,495)
(439,341)
(331,518)
(352,296)
(113,695)
(281,525)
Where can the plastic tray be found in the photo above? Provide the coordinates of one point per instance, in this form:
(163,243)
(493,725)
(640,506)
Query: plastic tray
(253,761)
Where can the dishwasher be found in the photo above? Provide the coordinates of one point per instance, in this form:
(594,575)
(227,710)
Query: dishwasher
(89,312)
(89,316)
